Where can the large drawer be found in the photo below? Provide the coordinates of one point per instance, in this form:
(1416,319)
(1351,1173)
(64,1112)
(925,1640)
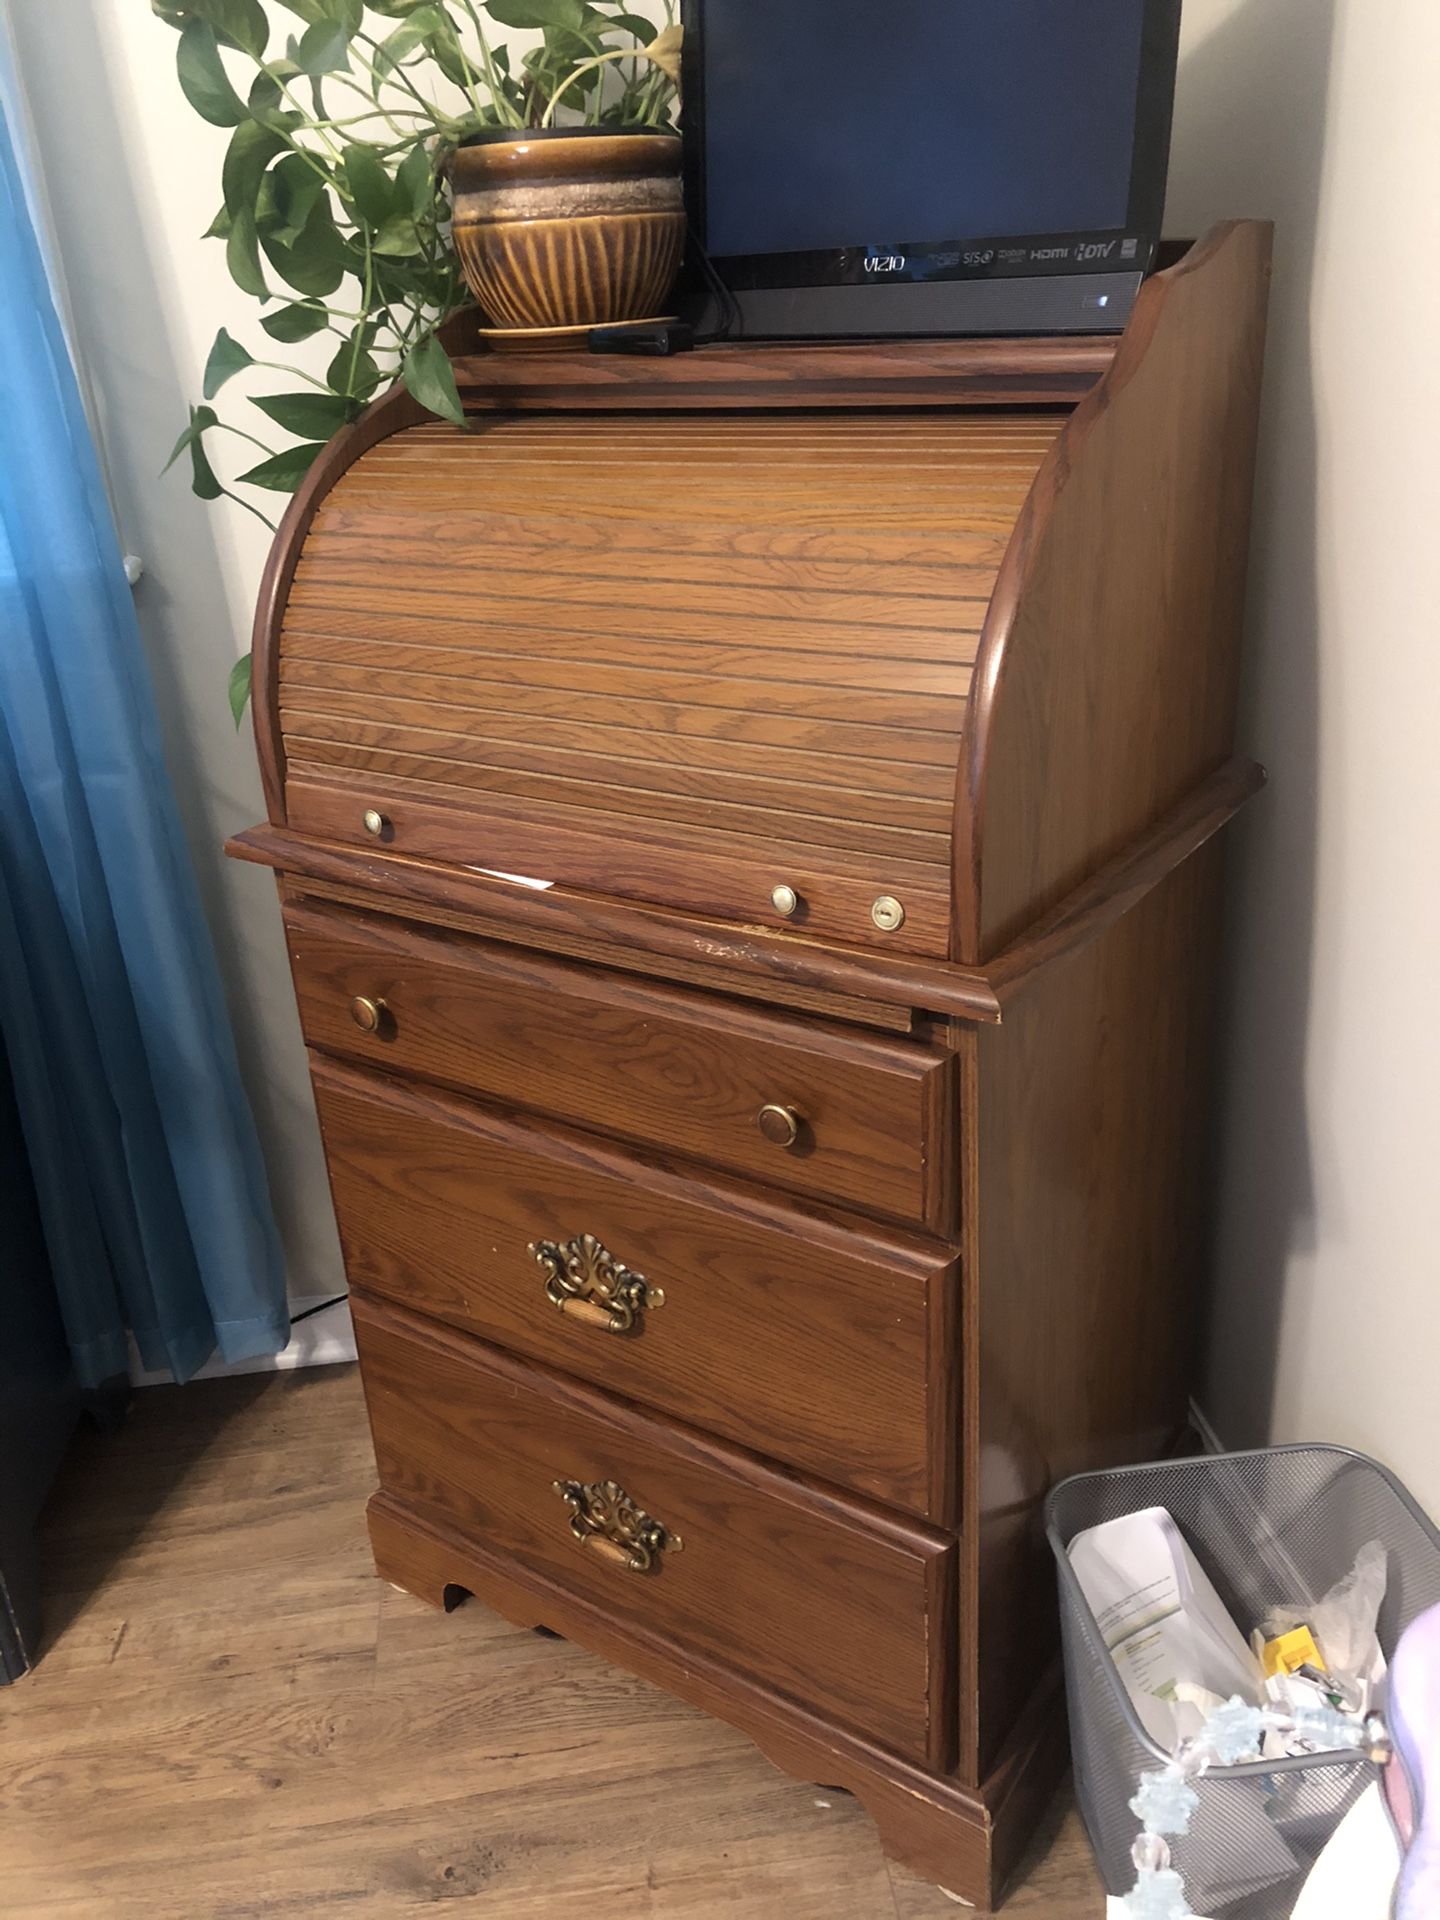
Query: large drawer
(826,1347)
(871,1117)
(836,1605)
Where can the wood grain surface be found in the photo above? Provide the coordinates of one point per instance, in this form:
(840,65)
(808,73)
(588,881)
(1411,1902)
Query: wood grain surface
(676,1069)
(707,631)
(454,912)
(836,1604)
(794,970)
(233,1719)
(776,374)
(746,641)
(1086,1158)
(439,1200)
(1110,657)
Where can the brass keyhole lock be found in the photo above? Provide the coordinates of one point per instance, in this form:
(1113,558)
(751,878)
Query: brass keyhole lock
(887,913)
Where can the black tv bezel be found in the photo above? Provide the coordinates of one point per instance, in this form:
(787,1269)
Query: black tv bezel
(846,266)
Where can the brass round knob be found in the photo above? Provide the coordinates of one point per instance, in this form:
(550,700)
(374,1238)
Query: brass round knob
(785,900)
(374,822)
(780,1125)
(887,913)
(367,1013)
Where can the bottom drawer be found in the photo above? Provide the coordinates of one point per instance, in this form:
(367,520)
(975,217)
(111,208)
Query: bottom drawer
(845,1609)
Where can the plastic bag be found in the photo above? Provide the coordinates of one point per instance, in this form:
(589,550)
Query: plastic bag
(1343,1625)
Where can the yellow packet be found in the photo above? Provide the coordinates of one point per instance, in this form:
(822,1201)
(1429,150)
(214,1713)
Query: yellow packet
(1291,1651)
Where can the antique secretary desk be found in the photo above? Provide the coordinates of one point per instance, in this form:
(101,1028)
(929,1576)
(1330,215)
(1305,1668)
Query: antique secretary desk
(748,1228)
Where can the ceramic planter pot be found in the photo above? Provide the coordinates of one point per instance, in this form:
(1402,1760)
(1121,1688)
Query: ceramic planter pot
(567,229)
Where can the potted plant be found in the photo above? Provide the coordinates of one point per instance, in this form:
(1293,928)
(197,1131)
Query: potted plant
(337,217)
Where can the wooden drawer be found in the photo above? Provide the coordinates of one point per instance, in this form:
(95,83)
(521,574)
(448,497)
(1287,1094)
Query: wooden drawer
(442,1203)
(672,1068)
(834,1604)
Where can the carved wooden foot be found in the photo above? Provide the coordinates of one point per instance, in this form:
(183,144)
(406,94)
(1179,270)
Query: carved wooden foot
(966,1841)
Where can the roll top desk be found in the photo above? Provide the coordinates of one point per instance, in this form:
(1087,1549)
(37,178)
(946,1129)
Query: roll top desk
(747,1228)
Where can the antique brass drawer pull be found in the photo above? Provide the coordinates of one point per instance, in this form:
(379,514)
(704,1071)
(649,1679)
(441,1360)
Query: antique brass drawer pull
(605,1518)
(584,1279)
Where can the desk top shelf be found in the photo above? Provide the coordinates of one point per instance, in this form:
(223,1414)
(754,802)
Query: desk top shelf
(892,373)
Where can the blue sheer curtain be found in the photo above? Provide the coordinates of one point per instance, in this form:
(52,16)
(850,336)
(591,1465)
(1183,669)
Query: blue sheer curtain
(146,1165)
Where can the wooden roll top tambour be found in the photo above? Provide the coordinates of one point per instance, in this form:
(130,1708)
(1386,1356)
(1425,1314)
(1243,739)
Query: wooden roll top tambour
(687,657)
(749,1227)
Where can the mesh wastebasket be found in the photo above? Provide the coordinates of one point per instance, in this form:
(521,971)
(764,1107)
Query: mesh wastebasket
(1272,1527)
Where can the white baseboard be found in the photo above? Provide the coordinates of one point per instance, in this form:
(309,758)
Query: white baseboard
(324,1339)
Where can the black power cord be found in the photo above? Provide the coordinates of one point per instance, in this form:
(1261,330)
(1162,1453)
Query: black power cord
(324,1306)
(667,337)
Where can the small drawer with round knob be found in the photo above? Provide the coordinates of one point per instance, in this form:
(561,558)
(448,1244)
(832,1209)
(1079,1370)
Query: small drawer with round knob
(797,1103)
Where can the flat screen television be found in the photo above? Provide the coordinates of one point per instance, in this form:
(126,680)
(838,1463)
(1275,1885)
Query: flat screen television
(884,167)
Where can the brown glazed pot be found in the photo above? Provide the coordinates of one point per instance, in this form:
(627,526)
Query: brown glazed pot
(568,228)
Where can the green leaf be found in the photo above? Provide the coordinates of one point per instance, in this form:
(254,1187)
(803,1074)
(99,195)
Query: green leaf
(251,149)
(324,48)
(643,30)
(287,198)
(227,358)
(235,23)
(411,33)
(315,263)
(415,181)
(444,50)
(203,480)
(202,474)
(201,421)
(430,379)
(355,373)
(538,13)
(267,91)
(203,78)
(238,688)
(219,227)
(309,416)
(309,10)
(239,23)
(371,188)
(399,238)
(295,322)
(242,256)
(283,472)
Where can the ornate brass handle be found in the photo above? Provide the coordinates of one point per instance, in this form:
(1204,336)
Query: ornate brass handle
(605,1518)
(584,1279)
(780,1125)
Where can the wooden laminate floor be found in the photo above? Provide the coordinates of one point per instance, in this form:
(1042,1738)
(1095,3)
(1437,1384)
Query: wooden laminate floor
(235,1719)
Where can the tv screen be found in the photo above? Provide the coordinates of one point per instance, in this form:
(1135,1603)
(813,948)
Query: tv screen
(835,142)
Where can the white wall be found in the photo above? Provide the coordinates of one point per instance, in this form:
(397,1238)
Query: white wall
(1317,112)
(1321,114)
